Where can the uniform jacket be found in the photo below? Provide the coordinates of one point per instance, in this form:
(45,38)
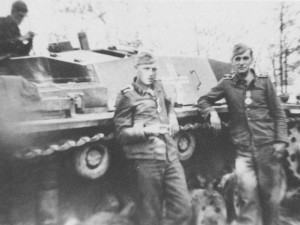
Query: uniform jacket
(9,43)
(263,120)
(136,109)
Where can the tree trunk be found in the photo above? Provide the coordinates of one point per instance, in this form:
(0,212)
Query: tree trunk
(281,48)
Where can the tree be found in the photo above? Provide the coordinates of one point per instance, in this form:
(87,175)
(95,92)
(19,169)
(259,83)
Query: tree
(287,50)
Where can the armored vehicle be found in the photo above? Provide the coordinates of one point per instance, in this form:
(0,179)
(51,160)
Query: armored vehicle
(63,162)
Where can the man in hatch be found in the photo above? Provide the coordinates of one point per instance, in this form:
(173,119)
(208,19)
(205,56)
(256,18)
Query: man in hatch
(145,122)
(12,43)
(259,132)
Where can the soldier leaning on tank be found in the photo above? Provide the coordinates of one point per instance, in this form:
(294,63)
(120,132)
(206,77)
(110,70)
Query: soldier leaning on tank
(12,43)
(145,122)
(259,132)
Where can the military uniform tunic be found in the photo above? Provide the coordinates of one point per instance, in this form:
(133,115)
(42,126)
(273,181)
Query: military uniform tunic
(258,116)
(136,109)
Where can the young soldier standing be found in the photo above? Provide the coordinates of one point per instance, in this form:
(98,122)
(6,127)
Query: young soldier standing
(259,133)
(145,122)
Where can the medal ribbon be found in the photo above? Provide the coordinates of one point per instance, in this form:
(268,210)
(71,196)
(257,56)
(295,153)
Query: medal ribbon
(248,94)
(248,99)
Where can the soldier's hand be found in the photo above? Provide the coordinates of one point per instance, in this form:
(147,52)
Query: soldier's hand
(30,34)
(27,36)
(157,129)
(279,150)
(215,121)
(174,129)
(174,126)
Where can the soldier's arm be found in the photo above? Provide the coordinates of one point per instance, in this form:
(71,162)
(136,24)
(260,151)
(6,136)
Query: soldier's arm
(14,44)
(277,113)
(206,101)
(126,131)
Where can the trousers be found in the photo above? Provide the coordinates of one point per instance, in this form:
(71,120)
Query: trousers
(161,195)
(261,185)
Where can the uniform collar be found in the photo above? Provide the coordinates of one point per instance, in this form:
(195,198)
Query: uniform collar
(239,81)
(141,89)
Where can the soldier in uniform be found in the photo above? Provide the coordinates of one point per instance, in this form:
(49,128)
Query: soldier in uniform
(259,133)
(12,43)
(145,122)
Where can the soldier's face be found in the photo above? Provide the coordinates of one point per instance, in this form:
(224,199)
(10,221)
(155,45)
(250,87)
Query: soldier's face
(241,63)
(18,16)
(146,73)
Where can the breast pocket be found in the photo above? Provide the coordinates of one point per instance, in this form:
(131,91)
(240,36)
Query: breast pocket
(145,108)
(258,96)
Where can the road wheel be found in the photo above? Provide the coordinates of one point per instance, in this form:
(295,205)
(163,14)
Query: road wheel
(92,161)
(186,145)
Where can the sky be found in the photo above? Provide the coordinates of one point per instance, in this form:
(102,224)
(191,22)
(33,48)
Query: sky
(205,28)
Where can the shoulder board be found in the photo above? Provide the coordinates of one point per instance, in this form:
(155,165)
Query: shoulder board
(229,76)
(126,89)
(262,76)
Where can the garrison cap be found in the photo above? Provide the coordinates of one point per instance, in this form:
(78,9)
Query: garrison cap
(239,49)
(19,6)
(144,58)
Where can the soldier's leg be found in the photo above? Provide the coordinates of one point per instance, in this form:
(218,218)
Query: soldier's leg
(177,200)
(148,175)
(249,206)
(272,184)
